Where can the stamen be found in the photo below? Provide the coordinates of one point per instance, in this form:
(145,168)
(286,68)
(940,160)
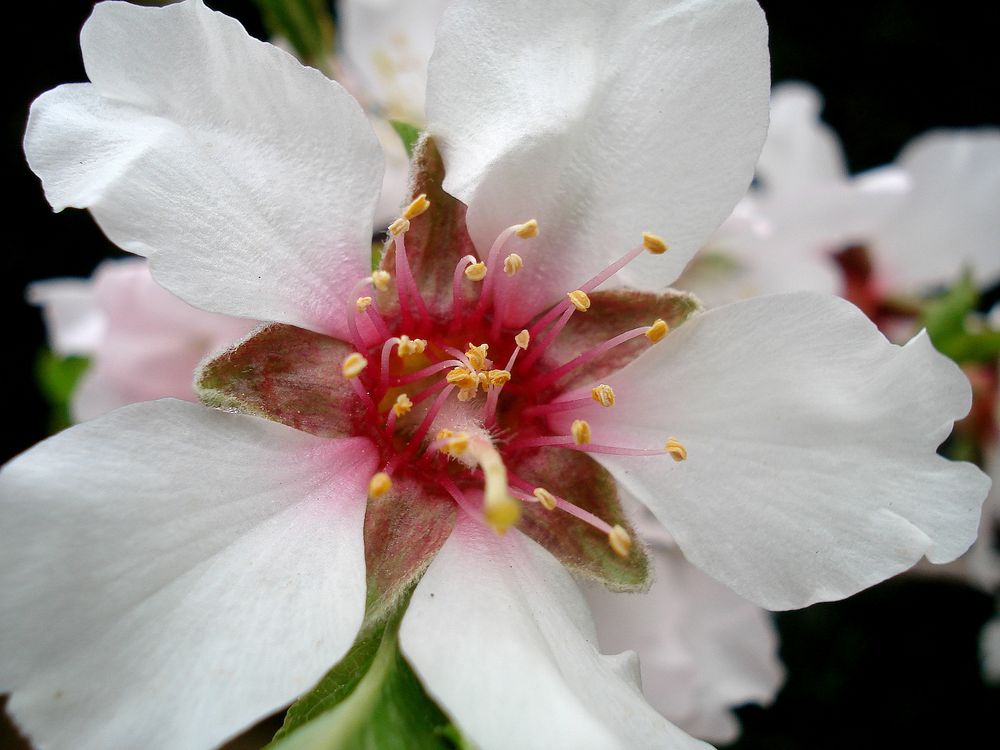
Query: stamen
(428,419)
(450,443)
(352,324)
(620,541)
(408,347)
(381,280)
(476,271)
(658,330)
(425,372)
(566,506)
(512,264)
(526,230)
(417,207)
(604,395)
(654,243)
(402,406)
(406,287)
(426,393)
(579,299)
(676,449)
(379,485)
(353,364)
(550,377)
(500,509)
(398,227)
(463,378)
(477,355)
(456,287)
(362,304)
(386,351)
(542,346)
(522,340)
(581,431)
(554,407)
(546,498)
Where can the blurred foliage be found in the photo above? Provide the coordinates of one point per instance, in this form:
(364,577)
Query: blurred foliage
(955,329)
(407,133)
(57,378)
(306,24)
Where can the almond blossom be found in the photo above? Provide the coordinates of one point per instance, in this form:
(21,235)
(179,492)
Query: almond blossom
(453,424)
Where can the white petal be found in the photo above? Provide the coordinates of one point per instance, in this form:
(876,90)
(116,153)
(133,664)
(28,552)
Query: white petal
(73,321)
(171,574)
(248,180)
(800,149)
(702,649)
(501,638)
(600,120)
(989,649)
(951,222)
(387,44)
(811,469)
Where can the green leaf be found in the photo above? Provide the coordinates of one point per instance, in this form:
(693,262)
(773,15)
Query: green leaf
(408,134)
(947,319)
(57,380)
(306,24)
(370,700)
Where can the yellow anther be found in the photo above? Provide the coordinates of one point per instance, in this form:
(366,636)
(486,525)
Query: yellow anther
(676,449)
(500,509)
(408,346)
(444,433)
(353,365)
(546,498)
(603,394)
(527,230)
(362,303)
(403,405)
(498,377)
(463,377)
(580,300)
(484,380)
(620,541)
(419,205)
(380,280)
(477,355)
(658,330)
(457,445)
(512,264)
(466,394)
(581,431)
(379,485)
(475,271)
(399,226)
(654,243)
(523,339)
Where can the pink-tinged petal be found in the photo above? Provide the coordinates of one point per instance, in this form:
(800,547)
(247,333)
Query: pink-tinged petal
(171,574)
(404,529)
(286,374)
(500,636)
(811,468)
(248,180)
(800,149)
(702,649)
(73,320)
(601,121)
(437,239)
(610,314)
(151,341)
(579,546)
(950,222)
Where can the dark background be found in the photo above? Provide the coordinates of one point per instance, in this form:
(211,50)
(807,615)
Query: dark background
(895,666)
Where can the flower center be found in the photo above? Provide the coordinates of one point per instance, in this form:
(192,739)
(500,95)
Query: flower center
(452,401)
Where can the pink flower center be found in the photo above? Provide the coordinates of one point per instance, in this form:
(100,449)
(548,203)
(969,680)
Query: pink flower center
(453,401)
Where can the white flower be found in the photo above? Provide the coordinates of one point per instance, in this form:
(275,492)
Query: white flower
(172,573)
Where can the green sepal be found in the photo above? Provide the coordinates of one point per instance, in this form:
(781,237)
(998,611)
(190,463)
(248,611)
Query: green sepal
(371,700)
(408,134)
(58,378)
(946,319)
(404,529)
(306,24)
(583,549)
(286,374)
(611,313)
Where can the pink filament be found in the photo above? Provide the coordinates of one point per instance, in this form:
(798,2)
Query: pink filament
(429,370)
(555,407)
(406,286)
(456,289)
(486,294)
(565,506)
(547,378)
(428,419)
(539,349)
(386,351)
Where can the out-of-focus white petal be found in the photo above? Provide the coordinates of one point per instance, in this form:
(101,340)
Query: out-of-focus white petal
(702,649)
(73,321)
(248,180)
(951,221)
(800,148)
(601,121)
(387,44)
(501,638)
(171,574)
(811,469)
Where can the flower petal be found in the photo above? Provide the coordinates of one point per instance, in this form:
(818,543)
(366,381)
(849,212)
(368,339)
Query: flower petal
(248,180)
(505,609)
(601,121)
(171,574)
(702,649)
(800,148)
(811,469)
(951,221)
(73,320)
